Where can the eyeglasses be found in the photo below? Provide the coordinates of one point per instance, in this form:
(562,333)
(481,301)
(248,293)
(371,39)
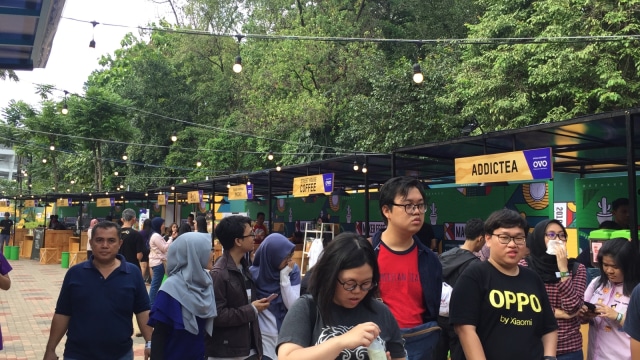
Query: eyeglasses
(506,239)
(552,235)
(411,208)
(351,285)
(250,235)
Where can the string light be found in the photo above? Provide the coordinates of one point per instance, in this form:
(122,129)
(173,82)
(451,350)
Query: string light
(278,167)
(228,185)
(418,78)
(184,181)
(92,43)
(199,163)
(364,168)
(65,108)
(237,66)
(355,166)
(270,156)
(248,181)
(174,137)
(115,173)
(44,161)
(52,147)
(125,157)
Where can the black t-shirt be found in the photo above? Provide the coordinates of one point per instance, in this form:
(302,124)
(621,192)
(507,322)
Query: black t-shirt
(6,225)
(510,313)
(132,244)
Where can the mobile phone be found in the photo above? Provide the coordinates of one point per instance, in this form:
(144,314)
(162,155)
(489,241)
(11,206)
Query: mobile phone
(272,296)
(590,306)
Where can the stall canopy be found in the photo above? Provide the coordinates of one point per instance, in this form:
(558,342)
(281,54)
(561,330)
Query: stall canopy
(27,29)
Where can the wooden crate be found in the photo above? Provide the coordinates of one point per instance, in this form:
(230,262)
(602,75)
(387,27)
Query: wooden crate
(84,238)
(49,256)
(26,247)
(58,239)
(74,244)
(76,257)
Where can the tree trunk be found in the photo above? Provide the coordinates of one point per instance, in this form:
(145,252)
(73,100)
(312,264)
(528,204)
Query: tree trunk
(99,167)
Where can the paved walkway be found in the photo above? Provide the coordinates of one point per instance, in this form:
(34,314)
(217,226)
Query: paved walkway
(27,308)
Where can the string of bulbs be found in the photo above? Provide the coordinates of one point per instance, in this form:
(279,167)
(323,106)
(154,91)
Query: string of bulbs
(418,77)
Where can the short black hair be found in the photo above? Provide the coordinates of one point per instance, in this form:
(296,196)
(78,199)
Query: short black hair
(619,202)
(106,225)
(231,228)
(260,213)
(610,225)
(347,251)
(474,228)
(626,258)
(191,216)
(400,185)
(184,228)
(504,218)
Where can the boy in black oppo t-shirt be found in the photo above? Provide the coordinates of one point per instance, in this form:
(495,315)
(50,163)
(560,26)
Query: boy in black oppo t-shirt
(501,310)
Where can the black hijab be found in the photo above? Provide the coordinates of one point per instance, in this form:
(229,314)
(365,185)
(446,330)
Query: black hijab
(538,260)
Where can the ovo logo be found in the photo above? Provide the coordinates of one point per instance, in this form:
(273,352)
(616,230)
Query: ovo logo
(499,299)
(540,163)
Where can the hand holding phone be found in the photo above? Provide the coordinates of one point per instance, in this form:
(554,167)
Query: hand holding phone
(590,306)
(272,296)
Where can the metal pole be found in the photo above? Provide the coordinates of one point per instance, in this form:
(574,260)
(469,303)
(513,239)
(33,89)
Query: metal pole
(366,201)
(631,175)
(269,203)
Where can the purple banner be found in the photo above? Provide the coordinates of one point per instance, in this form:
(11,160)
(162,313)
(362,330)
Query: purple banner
(327,181)
(250,191)
(540,163)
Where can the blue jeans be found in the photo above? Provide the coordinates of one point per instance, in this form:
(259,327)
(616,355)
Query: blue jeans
(156,281)
(420,347)
(576,355)
(4,239)
(127,356)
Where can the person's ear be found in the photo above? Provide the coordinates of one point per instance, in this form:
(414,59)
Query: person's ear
(386,211)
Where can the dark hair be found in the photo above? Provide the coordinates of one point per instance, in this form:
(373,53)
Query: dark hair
(474,228)
(146,225)
(201,224)
(610,225)
(400,185)
(260,213)
(619,202)
(105,225)
(347,251)
(108,218)
(184,228)
(231,228)
(626,258)
(190,216)
(504,218)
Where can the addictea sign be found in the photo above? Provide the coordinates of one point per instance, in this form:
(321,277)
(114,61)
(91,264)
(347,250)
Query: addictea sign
(313,184)
(534,164)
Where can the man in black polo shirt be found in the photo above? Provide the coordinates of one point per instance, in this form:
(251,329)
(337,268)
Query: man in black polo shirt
(5,232)
(132,242)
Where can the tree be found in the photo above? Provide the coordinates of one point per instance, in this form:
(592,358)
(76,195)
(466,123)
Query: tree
(6,74)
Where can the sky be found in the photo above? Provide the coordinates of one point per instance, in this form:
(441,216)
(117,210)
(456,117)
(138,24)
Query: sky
(72,60)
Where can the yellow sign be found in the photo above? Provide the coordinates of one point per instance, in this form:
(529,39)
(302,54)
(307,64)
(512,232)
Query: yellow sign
(194,197)
(63,202)
(105,202)
(4,203)
(533,164)
(29,203)
(162,199)
(313,184)
(238,192)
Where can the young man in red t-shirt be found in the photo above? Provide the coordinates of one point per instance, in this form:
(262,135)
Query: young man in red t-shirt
(259,229)
(410,273)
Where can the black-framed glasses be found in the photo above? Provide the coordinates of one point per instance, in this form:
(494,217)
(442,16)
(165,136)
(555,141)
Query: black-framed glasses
(552,235)
(351,285)
(250,235)
(411,208)
(506,239)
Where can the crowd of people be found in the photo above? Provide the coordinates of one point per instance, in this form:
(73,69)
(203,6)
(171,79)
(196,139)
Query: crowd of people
(391,295)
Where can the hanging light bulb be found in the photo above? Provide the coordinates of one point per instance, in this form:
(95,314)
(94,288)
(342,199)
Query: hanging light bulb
(278,167)
(73,182)
(228,185)
(173,188)
(125,157)
(270,156)
(146,194)
(44,161)
(355,166)
(237,66)
(418,78)
(184,180)
(92,43)
(115,173)
(199,163)
(52,147)
(65,108)
(248,181)
(174,137)
(364,168)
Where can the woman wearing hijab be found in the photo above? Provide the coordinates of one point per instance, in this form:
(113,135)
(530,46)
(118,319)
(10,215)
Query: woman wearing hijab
(274,272)
(185,305)
(565,281)
(157,254)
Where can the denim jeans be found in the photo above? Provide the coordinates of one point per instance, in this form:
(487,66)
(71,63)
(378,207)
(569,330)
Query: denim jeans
(576,355)
(421,347)
(158,274)
(127,356)
(4,238)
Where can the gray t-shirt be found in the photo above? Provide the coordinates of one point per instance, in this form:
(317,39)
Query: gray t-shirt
(303,326)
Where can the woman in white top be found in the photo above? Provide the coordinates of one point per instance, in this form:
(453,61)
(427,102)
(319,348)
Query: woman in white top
(91,225)
(157,254)
(274,272)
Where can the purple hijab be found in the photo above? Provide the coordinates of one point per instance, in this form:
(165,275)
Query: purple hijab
(266,275)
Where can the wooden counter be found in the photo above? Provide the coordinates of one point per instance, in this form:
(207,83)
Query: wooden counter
(74,244)
(84,238)
(26,247)
(57,239)
(19,236)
